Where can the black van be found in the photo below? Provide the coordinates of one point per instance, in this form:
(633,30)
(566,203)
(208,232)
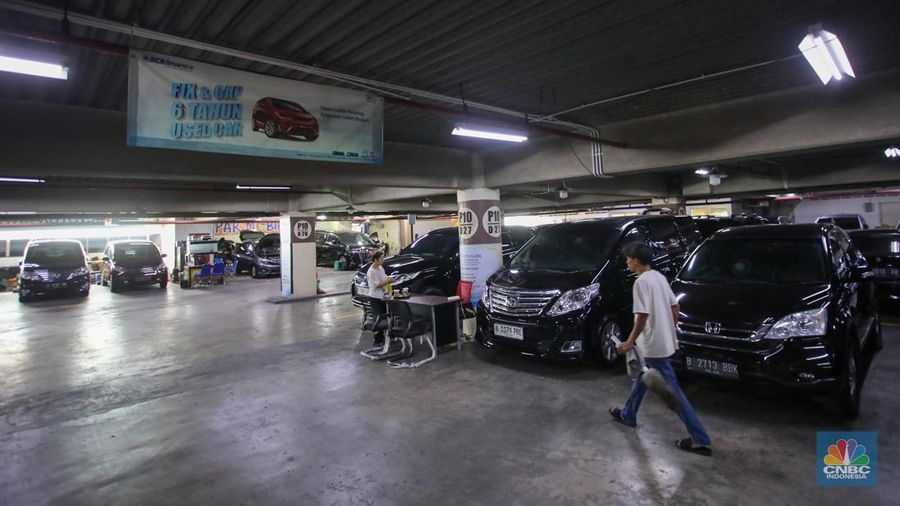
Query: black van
(53,266)
(430,265)
(567,293)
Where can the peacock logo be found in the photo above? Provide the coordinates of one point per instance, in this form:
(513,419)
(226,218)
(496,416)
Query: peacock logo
(846,452)
(847,459)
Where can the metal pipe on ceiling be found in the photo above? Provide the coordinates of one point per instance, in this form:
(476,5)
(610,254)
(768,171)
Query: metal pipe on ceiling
(384,88)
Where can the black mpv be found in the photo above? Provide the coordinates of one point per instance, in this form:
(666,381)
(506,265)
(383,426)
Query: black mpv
(567,293)
(789,305)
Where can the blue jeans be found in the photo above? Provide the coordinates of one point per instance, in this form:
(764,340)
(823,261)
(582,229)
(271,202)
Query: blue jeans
(687,414)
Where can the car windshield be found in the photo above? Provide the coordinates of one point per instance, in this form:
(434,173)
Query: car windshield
(137,255)
(251,236)
(284,104)
(519,235)
(355,239)
(270,246)
(567,249)
(440,244)
(757,260)
(60,255)
(878,245)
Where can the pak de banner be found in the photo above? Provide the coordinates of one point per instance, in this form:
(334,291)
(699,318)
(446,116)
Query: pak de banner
(480,243)
(182,104)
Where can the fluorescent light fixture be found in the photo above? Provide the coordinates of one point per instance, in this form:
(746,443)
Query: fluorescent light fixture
(825,53)
(20,180)
(17,213)
(489,133)
(33,68)
(702,172)
(892,152)
(242,187)
(321,217)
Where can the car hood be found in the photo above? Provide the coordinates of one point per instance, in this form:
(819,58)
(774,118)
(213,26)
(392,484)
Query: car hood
(746,302)
(294,114)
(405,264)
(542,279)
(136,266)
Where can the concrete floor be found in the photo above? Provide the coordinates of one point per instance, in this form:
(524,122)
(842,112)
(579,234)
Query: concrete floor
(213,396)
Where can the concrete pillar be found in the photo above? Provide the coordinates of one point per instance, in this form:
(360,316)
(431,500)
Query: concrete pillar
(298,255)
(480,241)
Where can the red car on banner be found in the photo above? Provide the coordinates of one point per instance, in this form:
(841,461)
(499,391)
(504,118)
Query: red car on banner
(278,117)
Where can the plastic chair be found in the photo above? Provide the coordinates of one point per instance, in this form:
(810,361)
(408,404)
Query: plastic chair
(202,277)
(217,274)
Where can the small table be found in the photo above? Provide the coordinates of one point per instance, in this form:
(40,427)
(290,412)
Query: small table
(444,310)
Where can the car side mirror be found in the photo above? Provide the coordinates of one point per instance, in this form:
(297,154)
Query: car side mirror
(865,227)
(163,255)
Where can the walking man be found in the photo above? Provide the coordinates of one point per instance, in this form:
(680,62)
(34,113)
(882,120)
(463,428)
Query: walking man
(655,316)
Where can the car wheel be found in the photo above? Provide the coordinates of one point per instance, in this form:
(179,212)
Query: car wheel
(164,283)
(875,338)
(24,298)
(311,137)
(270,128)
(850,391)
(113,286)
(604,347)
(253,273)
(84,293)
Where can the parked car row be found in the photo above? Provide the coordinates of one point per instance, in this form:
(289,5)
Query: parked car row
(787,305)
(59,266)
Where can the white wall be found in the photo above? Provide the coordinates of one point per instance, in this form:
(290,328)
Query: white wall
(808,210)
(424,225)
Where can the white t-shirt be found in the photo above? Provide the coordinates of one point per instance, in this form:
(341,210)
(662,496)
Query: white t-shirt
(376,276)
(653,296)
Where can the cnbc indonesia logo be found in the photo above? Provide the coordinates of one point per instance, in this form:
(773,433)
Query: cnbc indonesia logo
(847,461)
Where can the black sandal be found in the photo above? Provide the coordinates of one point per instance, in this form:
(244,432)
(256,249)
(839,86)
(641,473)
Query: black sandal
(616,415)
(687,445)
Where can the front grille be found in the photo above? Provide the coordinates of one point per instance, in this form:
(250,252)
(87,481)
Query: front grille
(44,275)
(887,272)
(696,328)
(516,302)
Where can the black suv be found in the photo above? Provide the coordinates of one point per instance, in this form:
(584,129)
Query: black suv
(430,265)
(353,248)
(53,266)
(882,250)
(567,293)
(133,263)
(790,305)
(261,258)
(709,225)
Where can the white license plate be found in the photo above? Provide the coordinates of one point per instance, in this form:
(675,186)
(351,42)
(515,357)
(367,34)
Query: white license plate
(713,367)
(509,331)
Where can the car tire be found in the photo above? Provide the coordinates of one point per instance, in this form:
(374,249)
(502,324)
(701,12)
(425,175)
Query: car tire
(163,284)
(84,293)
(270,129)
(311,137)
(253,273)
(603,349)
(876,341)
(849,396)
(113,286)
(24,299)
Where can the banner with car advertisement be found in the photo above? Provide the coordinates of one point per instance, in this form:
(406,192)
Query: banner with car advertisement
(182,104)
(480,237)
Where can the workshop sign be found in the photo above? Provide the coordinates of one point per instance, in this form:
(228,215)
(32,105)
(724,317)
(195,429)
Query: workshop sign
(182,104)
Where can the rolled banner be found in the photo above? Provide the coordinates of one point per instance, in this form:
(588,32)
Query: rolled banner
(480,237)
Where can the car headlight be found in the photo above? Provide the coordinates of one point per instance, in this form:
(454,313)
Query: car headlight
(805,323)
(486,296)
(399,279)
(574,300)
(81,271)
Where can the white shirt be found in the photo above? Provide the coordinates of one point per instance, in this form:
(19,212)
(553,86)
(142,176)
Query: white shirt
(653,296)
(376,276)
